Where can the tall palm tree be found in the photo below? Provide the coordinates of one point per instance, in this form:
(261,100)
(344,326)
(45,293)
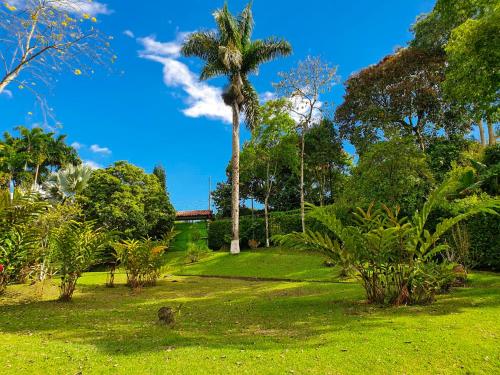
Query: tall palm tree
(35,142)
(230,52)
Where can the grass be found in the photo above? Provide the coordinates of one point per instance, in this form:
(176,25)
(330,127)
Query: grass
(261,263)
(247,327)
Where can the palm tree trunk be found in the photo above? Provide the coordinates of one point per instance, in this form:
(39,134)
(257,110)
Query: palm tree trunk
(302,199)
(235,198)
(492,139)
(37,170)
(482,138)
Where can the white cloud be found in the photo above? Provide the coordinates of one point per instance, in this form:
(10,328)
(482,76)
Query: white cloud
(203,100)
(153,47)
(76,145)
(6,93)
(301,108)
(267,96)
(100,150)
(92,164)
(93,8)
(129,33)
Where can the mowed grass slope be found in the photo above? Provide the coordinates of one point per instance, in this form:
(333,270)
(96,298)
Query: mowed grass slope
(271,263)
(244,327)
(263,263)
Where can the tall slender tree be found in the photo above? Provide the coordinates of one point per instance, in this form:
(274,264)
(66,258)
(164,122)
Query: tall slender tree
(230,52)
(304,85)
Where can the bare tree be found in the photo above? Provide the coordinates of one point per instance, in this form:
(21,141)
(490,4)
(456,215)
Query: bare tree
(41,37)
(304,85)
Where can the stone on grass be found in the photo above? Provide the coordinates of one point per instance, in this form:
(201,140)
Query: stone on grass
(166,315)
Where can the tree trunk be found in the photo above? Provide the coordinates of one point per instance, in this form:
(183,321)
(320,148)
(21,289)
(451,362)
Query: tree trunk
(266,218)
(37,171)
(235,197)
(482,138)
(420,139)
(302,199)
(492,139)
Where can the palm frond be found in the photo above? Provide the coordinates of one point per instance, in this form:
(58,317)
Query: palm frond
(213,69)
(202,44)
(250,104)
(245,24)
(262,51)
(228,27)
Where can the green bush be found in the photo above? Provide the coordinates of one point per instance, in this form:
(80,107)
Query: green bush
(483,231)
(219,232)
(195,252)
(142,259)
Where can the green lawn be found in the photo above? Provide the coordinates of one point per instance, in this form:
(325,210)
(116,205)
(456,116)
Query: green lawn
(263,263)
(247,327)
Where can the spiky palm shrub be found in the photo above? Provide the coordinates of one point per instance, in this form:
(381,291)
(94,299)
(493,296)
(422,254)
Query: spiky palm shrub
(394,257)
(19,237)
(230,52)
(143,259)
(76,246)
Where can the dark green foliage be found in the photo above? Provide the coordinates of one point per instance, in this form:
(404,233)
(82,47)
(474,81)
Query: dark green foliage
(221,197)
(326,164)
(442,152)
(491,174)
(483,231)
(123,197)
(161,174)
(219,232)
(394,172)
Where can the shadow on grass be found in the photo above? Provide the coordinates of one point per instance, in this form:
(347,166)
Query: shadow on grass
(223,314)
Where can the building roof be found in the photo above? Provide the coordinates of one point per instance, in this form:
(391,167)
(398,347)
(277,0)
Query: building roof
(194,214)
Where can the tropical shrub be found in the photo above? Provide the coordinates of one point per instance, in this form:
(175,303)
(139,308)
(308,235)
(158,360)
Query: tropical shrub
(195,252)
(142,259)
(19,236)
(75,247)
(395,257)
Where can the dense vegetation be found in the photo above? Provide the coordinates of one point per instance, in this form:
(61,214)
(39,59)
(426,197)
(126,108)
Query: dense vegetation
(363,242)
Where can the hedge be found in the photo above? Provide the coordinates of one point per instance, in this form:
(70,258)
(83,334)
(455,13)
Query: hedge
(483,231)
(219,232)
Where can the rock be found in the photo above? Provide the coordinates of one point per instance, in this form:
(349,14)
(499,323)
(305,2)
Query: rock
(166,315)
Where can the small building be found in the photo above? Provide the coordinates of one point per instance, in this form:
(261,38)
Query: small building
(197,215)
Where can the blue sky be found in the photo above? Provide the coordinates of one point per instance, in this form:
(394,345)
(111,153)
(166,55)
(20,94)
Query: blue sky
(151,109)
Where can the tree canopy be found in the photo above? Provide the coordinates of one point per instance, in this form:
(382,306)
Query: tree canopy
(125,198)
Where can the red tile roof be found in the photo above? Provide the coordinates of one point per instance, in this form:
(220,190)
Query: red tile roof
(194,213)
